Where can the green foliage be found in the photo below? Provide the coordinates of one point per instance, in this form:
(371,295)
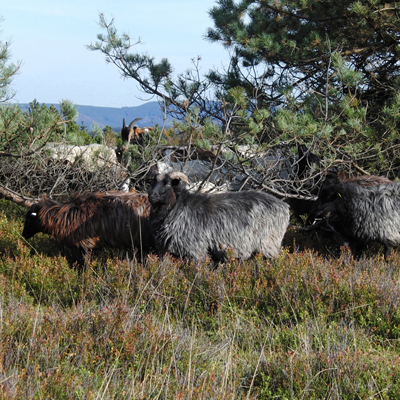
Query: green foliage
(78,137)
(20,130)
(24,130)
(288,79)
(142,67)
(7,71)
(338,92)
(69,112)
(189,132)
(180,94)
(110,139)
(73,133)
(287,43)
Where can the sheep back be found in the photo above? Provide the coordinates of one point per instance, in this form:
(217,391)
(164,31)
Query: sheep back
(312,208)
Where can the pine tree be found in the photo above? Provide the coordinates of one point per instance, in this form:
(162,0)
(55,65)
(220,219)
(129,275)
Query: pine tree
(282,47)
(7,71)
(324,73)
(328,70)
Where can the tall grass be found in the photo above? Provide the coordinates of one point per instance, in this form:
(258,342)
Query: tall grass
(303,326)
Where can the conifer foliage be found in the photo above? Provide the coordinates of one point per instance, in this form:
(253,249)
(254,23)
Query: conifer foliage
(287,46)
(324,73)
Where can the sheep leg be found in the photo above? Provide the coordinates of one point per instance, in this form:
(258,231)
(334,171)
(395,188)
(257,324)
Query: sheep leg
(388,250)
(357,249)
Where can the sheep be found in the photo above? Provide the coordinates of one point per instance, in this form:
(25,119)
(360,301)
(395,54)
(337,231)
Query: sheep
(128,132)
(310,206)
(365,180)
(274,168)
(92,156)
(308,181)
(362,214)
(336,179)
(132,134)
(275,163)
(93,220)
(198,225)
(203,168)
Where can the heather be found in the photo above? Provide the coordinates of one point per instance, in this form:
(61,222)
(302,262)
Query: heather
(311,324)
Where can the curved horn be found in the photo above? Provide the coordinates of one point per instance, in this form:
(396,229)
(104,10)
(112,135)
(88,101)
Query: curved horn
(132,124)
(179,175)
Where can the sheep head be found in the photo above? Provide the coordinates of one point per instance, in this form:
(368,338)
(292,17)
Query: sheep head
(33,224)
(165,188)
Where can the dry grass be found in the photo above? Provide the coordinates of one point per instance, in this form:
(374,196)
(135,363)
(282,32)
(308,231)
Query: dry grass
(304,326)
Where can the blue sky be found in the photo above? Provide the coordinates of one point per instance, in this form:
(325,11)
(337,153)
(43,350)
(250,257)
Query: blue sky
(50,37)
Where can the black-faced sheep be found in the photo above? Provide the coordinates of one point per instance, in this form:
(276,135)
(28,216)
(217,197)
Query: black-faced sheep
(362,214)
(197,225)
(306,180)
(94,220)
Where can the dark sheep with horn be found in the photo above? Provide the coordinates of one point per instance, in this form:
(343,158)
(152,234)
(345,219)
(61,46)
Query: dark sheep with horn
(197,225)
(132,134)
(332,179)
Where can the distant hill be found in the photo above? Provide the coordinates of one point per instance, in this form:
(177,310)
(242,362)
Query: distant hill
(102,116)
(90,115)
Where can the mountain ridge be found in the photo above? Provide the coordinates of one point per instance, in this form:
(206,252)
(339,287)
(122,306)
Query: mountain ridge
(89,116)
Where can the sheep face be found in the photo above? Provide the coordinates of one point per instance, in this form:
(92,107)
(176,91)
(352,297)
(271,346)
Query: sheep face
(163,190)
(329,194)
(33,224)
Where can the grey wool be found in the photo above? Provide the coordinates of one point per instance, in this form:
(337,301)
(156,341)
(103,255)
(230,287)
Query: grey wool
(196,226)
(363,214)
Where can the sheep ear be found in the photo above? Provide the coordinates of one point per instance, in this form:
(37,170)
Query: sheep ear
(152,172)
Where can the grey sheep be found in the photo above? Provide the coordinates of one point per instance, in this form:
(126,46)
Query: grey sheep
(362,214)
(198,225)
(312,208)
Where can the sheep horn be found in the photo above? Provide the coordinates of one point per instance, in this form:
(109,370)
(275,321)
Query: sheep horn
(132,124)
(8,194)
(179,175)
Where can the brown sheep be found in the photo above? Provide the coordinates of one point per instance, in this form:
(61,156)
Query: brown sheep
(94,220)
(132,134)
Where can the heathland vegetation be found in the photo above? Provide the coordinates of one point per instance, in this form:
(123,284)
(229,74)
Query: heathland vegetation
(303,326)
(314,323)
